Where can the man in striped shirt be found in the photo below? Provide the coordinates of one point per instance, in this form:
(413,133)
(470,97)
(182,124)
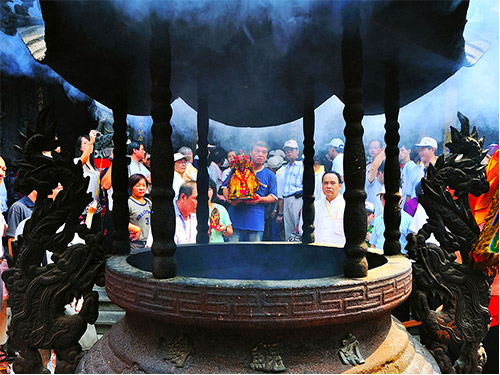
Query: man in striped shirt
(290,189)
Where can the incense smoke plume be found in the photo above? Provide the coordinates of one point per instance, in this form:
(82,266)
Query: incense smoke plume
(473,91)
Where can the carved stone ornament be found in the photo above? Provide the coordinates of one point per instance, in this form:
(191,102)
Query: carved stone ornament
(463,292)
(179,350)
(38,294)
(265,358)
(349,353)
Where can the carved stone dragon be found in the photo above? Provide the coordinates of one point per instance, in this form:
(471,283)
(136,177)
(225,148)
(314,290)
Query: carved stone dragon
(38,294)
(463,292)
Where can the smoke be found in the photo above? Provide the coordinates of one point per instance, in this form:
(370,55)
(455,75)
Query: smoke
(473,90)
(74,94)
(16,60)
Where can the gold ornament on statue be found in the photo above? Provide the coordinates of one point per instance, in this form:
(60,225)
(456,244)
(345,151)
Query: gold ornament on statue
(243,183)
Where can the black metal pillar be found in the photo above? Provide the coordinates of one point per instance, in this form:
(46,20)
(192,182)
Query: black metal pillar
(308,179)
(354,154)
(392,177)
(202,181)
(119,174)
(162,165)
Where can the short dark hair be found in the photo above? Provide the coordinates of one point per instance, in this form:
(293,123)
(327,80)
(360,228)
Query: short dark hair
(406,144)
(380,142)
(133,145)
(217,156)
(78,152)
(187,188)
(135,178)
(339,179)
(260,144)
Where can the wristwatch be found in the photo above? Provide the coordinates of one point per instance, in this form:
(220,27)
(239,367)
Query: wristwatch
(224,231)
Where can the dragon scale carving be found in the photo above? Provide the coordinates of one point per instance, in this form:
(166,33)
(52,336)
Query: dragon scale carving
(38,294)
(463,291)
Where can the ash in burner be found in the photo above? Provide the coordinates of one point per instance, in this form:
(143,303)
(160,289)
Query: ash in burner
(256,261)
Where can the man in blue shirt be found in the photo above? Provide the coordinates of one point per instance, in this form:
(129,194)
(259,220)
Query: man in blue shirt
(411,174)
(19,211)
(248,216)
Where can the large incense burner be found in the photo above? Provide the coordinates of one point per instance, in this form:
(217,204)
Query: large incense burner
(270,307)
(248,307)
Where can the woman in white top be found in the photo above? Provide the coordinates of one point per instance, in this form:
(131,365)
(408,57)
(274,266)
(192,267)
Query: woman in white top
(84,150)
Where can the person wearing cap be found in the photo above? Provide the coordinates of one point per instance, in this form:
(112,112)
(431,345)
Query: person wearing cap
(377,238)
(191,173)
(370,214)
(248,217)
(290,189)
(180,164)
(411,174)
(271,227)
(336,156)
(426,149)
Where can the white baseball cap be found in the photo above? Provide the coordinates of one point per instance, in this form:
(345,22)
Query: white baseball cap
(336,142)
(370,207)
(292,143)
(427,142)
(178,156)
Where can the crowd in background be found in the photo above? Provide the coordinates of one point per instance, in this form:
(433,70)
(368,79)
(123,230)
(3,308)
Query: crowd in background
(273,214)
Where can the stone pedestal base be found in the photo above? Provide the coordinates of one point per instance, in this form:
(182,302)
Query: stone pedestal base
(140,345)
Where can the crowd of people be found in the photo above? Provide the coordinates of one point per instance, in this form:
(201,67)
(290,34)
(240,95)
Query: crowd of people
(273,214)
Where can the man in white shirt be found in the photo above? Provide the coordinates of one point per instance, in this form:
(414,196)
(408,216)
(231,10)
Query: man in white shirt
(137,153)
(185,214)
(329,218)
(191,172)
(290,189)
(411,174)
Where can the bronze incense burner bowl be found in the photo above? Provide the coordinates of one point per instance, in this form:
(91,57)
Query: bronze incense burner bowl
(250,307)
